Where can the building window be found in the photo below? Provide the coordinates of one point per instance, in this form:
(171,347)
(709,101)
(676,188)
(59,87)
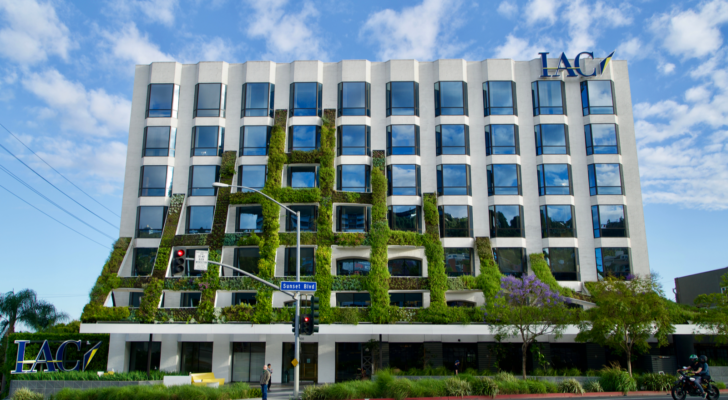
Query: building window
(353,266)
(456,221)
(144,261)
(405,218)
(564,262)
(304,138)
(353,300)
(614,262)
(452,139)
(451,98)
(410,300)
(501,139)
(504,179)
(258,99)
(552,139)
(511,260)
(354,178)
(254,140)
(199,219)
(353,219)
(150,221)
(210,100)
(403,98)
(458,261)
(138,356)
(135,299)
(548,97)
(154,181)
(190,299)
(196,357)
(249,219)
(403,140)
(354,140)
(405,267)
(303,177)
(506,221)
(453,180)
(355,98)
(162,100)
(305,99)
(403,179)
(499,98)
(247,359)
(246,258)
(207,140)
(308,261)
(308,218)
(609,221)
(460,303)
(605,179)
(601,139)
(557,221)
(244,298)
(597,97)
(159,141)
(252,176)
(201,179)
(554,179)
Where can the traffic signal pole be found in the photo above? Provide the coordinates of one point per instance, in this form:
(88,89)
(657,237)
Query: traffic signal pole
(297,344)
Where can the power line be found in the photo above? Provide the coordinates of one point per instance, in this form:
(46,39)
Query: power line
(51,167)
(23,200)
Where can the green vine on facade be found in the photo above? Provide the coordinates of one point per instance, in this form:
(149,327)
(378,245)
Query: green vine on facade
(106,282)
(324,223)
(489,279)
(168,235)
(378,280)
(435,253)
(541,269)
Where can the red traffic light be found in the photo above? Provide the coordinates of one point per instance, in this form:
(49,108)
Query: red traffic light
(306,319)
(180,253)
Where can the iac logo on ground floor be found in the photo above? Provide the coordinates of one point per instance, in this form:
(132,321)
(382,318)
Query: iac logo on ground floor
(45,357)
(572,71)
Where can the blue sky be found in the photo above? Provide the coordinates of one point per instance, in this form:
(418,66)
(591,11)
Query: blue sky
(66,72)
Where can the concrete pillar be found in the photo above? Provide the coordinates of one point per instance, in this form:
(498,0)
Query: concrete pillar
(274,355)
(221,357)
(326,359)
(117,353)
(433,353)
(169,356)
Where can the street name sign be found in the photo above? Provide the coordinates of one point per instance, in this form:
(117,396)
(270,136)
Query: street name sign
(299,286)
(201,260)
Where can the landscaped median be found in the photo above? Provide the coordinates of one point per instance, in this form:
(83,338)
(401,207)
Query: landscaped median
(149,392)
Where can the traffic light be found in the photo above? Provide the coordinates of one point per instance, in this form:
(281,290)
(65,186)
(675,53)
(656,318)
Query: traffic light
(293,324)
(305,325)
(313,325)
(178,265)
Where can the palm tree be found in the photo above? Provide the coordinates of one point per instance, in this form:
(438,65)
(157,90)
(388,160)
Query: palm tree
(45,316)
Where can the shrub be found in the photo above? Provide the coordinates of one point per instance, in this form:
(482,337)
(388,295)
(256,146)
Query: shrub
(457,387)
(93,376)
(505,377)
(615,379)
(484,387)
(536,386)
(719,385)
(570,385)
(26,394)
(551,387)
(160,392)
(429,388)
(399,389)
(593,387)
(656,382)
(516,386)
(314,392)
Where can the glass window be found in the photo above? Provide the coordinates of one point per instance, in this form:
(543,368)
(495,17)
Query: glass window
(452,139)
(499,98)
(405,299)
(511,260)
(453,180)
(254,140)
(190,299)
(247,359)
(153,181)
(548,97)
(609,221)
(613,261)
(255,99)
(601,139)
(564,262)
(196,357)
(501,139)
(354,140)
(460,303)
(201,179)
(557,221)
(305,100)
(308,218)
(162,100)
(308,261)
(151,221)
(605,179)
(252,176)
(158,141)
(244,298)
(354,178)
(552,139)
(458,261)
(246,258)
(144,261)
(303,177)
(403,140)
(405,218)
(405,267)
(304,138)
(353,267)
(138,355)
(353,300)
(554,179)
(403,179)
(451,98)
(456,221)
(596,97)
(504,179)
(210,100)
(135,299)
(353,218)
(354,98)
(506,221)
(199,219)
(207,140)
(403,98)
(249,219)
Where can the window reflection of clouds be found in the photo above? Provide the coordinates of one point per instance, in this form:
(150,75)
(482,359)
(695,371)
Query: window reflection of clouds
(608,175)
(353,176)
(304,136)
(600,94)
(403,135)
(505,175)
(604,134)
(556,174)
(503,135)
(451,94)
(453,135)
(454,175)
(403,175)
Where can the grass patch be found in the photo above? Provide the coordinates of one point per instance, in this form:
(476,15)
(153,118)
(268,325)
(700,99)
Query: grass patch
(160,392)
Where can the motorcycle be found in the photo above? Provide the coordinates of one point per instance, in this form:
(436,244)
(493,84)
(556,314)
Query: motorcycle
(686,386)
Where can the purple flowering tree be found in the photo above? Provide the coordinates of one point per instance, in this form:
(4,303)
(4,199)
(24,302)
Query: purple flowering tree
(527,309)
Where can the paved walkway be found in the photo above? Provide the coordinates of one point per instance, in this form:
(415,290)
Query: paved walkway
(279,392)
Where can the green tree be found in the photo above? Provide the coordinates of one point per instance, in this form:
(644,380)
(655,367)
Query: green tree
(15,308)
(627,314)
(45,316)
(713,318)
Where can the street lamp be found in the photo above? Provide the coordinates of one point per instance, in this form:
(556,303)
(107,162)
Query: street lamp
(298,275)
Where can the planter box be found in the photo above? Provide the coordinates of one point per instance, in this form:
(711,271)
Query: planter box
(47,388)
(554,379)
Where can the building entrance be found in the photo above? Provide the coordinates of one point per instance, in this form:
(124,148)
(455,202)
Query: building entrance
(308,363)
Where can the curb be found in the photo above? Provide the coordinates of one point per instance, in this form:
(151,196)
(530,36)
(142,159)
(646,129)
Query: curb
(545,396)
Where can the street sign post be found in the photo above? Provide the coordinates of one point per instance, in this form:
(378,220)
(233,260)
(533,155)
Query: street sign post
(299,286)
(201,260)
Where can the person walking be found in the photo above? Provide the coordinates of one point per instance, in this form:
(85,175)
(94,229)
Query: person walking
(264,379)
(270,382)
(457,366)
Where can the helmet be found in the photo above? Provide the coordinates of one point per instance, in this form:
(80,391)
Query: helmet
(703,359)
(693,357)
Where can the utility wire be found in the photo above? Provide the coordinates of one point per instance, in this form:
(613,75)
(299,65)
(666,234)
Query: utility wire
(7,171)
(23,200)
(51,167)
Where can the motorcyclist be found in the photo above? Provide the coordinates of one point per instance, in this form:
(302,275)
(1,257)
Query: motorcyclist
(700,369)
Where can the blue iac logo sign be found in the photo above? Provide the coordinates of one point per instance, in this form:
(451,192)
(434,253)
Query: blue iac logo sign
(45,357)
(565,65)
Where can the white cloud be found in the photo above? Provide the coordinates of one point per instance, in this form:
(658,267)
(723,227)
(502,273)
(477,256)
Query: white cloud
(667,68)
(697,94)
(161,11)
(631,49)
(692,34)
(518,49)
(131,46)
(586,22)
(508,9)
(32,32)
(541,10)
(202,49)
